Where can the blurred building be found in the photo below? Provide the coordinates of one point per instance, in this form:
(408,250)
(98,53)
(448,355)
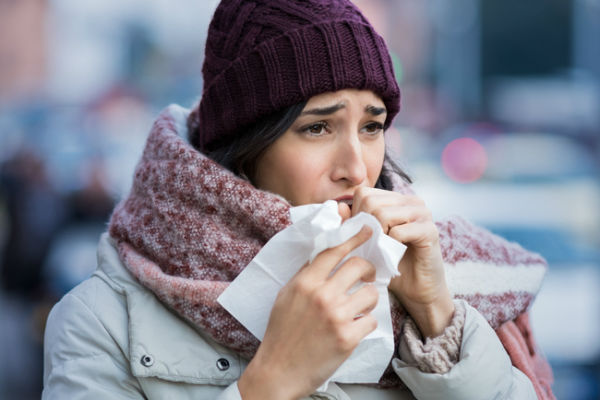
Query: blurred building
(22,47)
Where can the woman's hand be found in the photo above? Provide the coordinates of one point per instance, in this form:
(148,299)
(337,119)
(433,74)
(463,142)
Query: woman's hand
(421,287)
(313,326)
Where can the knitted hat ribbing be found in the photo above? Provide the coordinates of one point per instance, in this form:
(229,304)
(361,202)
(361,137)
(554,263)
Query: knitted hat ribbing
(263,56)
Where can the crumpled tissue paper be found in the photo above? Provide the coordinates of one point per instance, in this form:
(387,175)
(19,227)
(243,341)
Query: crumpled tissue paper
(316,227)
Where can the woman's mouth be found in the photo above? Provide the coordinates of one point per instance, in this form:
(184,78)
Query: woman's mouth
(346,200)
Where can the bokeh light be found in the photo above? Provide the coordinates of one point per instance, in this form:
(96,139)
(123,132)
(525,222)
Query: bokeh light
(464,160)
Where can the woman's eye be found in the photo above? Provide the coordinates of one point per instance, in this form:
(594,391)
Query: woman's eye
(373,128)
(316,129)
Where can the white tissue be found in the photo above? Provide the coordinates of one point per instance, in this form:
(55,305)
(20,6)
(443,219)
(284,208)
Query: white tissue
(316,227)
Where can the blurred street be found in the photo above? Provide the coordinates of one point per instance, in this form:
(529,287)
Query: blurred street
(500,123)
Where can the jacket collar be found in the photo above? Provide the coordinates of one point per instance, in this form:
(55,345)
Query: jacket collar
(161,344)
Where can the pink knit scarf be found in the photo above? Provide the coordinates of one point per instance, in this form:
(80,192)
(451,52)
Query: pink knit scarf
(189,226)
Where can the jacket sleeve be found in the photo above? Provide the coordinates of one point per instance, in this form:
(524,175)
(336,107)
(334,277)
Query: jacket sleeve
(81,359)
(483,371)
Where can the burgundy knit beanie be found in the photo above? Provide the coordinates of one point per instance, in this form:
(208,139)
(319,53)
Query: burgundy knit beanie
(265,55)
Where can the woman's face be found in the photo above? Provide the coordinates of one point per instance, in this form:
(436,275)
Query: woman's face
(334,147)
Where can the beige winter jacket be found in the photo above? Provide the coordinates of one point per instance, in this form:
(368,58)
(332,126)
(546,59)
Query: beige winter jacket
(110,338)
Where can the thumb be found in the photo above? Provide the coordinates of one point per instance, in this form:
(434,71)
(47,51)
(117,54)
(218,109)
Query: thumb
(344,211)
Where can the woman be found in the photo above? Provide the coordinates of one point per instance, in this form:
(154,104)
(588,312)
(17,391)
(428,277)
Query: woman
(296,98)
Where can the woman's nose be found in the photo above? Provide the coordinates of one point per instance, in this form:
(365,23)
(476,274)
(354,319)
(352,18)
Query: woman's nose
(349,164)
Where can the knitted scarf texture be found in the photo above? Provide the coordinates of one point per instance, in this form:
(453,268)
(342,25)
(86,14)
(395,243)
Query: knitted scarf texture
(189,226)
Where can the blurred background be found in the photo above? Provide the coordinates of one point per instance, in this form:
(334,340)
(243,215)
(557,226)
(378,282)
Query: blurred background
(500,123)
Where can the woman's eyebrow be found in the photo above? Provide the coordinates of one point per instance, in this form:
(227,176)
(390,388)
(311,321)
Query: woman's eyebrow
(332,109)
(324,110)
(375,110)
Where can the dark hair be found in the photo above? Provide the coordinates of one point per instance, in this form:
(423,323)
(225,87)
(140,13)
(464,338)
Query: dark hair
(241,154)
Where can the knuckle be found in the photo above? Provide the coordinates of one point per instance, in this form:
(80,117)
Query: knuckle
(344,341)
(368,203)
(337,253)
(370,297)
(428,215)
(417,200)
(369,265)
(354,261)
(432,231)
(302,287)
(341,251)
(322,300)
(361,192)
(345,248)
(383,217)
(373,292)
(397,232)
(369,269)
(379,214)
(364,264)
(334,318)
(372,322)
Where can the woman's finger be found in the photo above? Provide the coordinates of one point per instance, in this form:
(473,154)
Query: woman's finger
(371,199)
(362,326)
(361,302)
(352,271)
(389,217)
(344,211)
(325,262)
(418,234)
(368,199)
